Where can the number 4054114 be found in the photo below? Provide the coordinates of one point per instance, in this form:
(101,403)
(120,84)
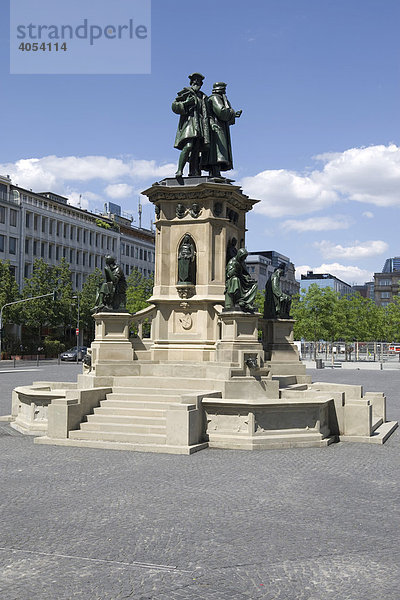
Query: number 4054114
(44,47)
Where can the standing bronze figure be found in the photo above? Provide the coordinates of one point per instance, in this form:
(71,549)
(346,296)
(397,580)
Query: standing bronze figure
(187,261)
(193,135)
(222,116)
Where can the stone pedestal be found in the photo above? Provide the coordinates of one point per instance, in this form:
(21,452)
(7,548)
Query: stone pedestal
(280,353)
(112,352)
(239,339)
(186,325)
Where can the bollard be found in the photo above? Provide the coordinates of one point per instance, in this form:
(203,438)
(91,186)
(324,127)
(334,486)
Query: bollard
(37,360)
(14,361)
(59,360)
(381,366)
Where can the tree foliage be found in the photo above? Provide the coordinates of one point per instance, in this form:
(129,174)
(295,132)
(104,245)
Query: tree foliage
(139,290)
(8,291)
(87,298)
(322,315)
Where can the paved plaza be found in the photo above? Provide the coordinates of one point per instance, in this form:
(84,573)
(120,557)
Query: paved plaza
(296,524)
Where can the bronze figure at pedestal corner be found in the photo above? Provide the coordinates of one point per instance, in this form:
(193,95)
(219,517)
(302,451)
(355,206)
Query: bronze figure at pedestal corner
(277,304)
(111,295)
(241,288)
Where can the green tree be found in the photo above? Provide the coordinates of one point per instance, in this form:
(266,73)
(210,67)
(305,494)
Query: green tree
(8,292)
(87,298)
(316,314)
(138,291)
(42,312)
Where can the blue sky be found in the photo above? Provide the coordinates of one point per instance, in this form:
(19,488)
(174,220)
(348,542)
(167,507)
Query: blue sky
(317,143)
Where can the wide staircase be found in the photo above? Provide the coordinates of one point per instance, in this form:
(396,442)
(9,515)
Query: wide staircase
(135,413)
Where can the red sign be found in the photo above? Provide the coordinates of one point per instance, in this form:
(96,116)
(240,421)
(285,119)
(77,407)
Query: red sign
(77,331)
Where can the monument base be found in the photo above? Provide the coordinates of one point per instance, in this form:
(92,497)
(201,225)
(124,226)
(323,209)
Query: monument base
(280,353)
(111,353)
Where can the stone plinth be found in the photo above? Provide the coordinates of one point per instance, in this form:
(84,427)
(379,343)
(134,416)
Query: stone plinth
(112,352)
(280,353)
(239,338)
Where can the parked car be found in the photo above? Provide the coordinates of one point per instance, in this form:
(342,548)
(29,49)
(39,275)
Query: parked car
(71,353)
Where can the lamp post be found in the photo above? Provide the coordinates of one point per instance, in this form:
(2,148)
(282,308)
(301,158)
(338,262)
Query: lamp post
(77,328)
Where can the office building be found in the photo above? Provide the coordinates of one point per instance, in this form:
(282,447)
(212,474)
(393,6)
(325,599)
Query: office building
(325,280)
(43,225)
(262,264)
(386,284)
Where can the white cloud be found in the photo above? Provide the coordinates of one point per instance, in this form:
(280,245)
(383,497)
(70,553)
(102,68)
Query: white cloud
(356,250)
(287,193)
(52,172)
(368,214)
(317,224)
(349,274)
(119,190)
(369,175)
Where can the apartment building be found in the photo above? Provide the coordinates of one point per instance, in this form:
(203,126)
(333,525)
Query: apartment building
(262,264)
(387,283)
(43,225)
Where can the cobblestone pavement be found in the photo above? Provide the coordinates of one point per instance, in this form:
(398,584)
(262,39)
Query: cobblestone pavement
(297,524)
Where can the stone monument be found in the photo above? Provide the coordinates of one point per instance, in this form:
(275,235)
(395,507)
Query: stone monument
(203,378)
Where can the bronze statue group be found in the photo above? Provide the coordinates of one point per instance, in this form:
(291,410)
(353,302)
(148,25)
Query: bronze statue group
(203,131)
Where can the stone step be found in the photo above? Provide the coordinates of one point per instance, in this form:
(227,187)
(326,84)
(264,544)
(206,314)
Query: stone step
(109,427)
(172,383)
(108,436)
(136,391)
(126,419)
(147,403)
(156,396)
(139,411)
(377,424)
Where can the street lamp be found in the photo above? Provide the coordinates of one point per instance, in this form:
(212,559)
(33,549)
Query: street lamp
(77,328)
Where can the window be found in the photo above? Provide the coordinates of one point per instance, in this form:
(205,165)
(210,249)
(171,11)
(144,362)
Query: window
(77,280)
(97,239)
(35,248)
(136,252)
(91,238)
(42,249)
(13,271)
(384,282)
(84,236)
(108,242)
(2,214)
(57,252)
(141,254)
(64,253)
(27,270)
(65,230)
(127,269)
(27,245)
(122,249)
(12,245)
(28,219)
(71,256)
(90,260)
(102,241)
(145,255)
(132,251)
(96,261)
(72,231)
(36,222)
(78,256)
(59,228)
(84,258)
(51,224)
(13,217)
(50,251)
(385,294)
(44,224)
(113,245)
(385,304)
(78,234)
(1,243)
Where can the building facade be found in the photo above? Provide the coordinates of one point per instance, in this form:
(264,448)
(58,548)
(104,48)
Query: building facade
(262,264)
(325,280)
(43,225)
(387,283)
